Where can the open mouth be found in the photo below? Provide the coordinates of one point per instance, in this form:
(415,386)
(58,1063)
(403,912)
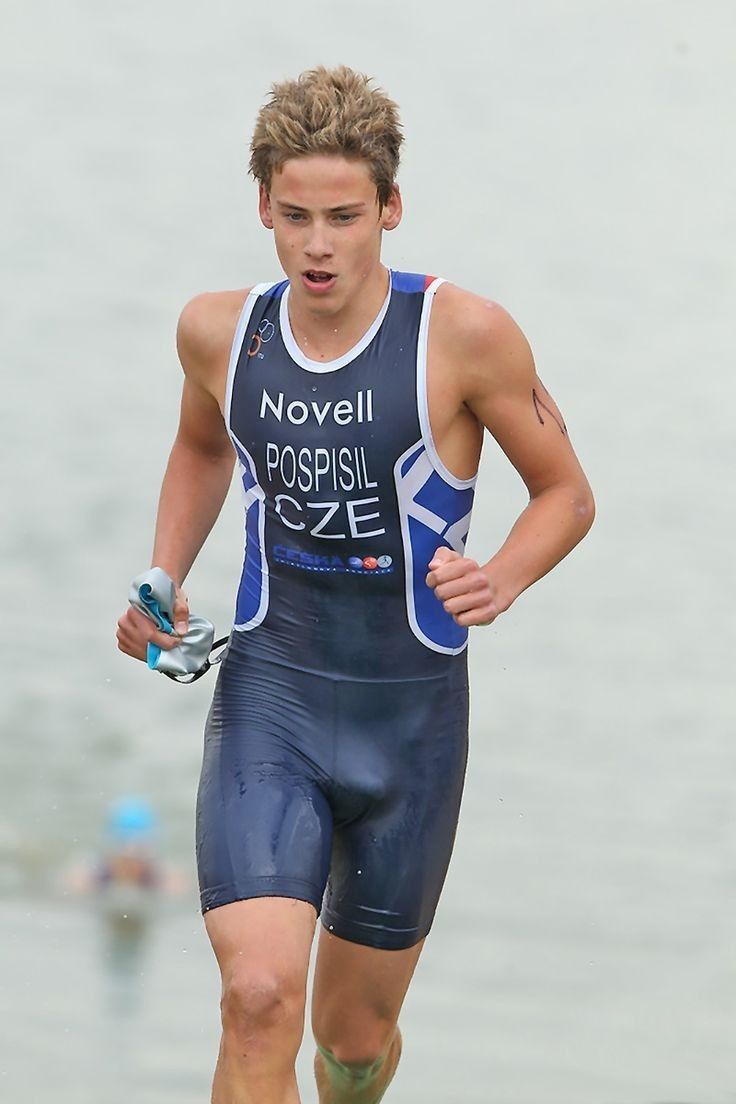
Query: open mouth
(318,278)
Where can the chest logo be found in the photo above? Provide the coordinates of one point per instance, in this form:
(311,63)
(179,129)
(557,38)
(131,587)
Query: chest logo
(297,412)
(263,334)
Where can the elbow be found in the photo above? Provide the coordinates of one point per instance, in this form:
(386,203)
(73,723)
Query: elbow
(584,507)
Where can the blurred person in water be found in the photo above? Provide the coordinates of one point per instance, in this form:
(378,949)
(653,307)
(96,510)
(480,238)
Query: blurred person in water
(128,875)
(129,871)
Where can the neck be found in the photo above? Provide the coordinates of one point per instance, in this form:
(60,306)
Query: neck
(326,336)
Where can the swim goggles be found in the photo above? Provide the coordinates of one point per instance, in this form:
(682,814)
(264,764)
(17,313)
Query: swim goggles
(153,594)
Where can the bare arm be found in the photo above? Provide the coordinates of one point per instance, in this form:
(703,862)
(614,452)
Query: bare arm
(195,483)
(200,464)
(501,388)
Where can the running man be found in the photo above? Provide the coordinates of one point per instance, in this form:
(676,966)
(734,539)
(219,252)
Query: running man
(354,400)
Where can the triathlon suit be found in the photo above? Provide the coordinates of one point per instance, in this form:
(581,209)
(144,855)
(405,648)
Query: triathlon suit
(336,744)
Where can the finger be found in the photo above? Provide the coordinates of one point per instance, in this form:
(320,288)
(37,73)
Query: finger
(453,569)
(473,582)
(443,554)
(477,617)
(466,603)
(134,632)
(131,645)
(181,613)
(135,620)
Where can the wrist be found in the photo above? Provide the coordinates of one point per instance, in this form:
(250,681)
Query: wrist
(502,586)
(171,567)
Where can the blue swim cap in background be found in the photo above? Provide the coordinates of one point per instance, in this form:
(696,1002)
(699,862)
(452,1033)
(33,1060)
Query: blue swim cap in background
(130,819)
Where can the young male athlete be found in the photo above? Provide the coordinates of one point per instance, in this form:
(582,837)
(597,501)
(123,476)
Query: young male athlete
(354,400)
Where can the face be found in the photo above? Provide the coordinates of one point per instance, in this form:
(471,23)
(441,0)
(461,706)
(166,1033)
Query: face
(327,226)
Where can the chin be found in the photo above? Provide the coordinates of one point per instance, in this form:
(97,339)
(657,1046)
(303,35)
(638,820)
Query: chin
(325,306)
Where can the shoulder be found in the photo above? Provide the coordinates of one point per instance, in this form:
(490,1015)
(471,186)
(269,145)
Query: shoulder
(479,339)
(206,327)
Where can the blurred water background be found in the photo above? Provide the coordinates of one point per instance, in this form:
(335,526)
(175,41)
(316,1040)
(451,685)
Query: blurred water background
(573,159)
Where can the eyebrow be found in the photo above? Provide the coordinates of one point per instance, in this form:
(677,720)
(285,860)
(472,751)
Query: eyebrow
(332,210)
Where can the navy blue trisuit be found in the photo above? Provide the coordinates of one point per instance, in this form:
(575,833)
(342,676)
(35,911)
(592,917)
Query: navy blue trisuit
(336,744)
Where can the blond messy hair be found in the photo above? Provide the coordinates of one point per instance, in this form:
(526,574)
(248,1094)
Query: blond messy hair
(328,111)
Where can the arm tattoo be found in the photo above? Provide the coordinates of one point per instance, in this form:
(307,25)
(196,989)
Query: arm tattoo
(557,418)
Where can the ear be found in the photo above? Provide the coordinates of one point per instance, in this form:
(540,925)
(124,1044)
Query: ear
(264,207)
(392,210)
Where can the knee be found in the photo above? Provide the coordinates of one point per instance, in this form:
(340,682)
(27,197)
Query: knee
(260,1002)
(360,1053)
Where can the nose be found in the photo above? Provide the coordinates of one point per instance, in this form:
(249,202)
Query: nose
(318,243)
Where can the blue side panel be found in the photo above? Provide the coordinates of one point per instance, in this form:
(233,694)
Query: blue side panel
(431,618)
(249,607)
(446,501)
(407,281)
(433,514)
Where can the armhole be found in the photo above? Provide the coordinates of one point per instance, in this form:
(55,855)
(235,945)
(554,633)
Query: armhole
(422,394)
(239,337)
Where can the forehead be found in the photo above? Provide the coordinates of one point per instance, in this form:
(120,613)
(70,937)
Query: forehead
(323,181)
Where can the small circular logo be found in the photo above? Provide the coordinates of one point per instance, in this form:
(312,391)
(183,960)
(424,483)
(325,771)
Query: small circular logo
(370,563)
(355,561)
(384,561)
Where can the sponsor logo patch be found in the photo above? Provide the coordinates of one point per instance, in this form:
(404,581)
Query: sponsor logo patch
(329,563)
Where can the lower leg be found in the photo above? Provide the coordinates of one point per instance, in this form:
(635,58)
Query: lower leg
(232,1086)
(255,1064)
(342,1082)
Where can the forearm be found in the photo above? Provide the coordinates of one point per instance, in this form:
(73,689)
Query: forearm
(550,527)
(192,493)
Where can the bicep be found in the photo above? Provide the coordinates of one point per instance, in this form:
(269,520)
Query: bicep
(201,425)
(510,400)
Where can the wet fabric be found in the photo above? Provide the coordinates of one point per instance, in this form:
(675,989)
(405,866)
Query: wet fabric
(336,744)
(317,786)
(346,499)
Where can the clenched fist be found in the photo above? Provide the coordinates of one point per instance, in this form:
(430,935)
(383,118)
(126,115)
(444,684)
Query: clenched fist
(465,591)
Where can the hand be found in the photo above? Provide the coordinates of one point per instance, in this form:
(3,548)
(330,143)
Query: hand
(463,588)
(135,630)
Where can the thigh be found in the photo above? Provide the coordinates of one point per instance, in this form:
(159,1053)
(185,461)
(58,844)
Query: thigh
(264,824)
(389,863)
(266,941)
